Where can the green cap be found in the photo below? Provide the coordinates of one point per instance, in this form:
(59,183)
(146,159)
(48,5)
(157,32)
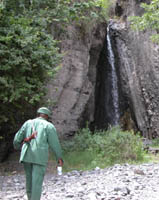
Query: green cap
(45,111)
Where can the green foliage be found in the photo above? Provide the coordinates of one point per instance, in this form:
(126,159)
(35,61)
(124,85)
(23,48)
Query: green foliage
(105,6)
(105,147)
(155,142)
(117,146)
(28,56)
(81,141)
(149,20)
(77,160)
(68,11)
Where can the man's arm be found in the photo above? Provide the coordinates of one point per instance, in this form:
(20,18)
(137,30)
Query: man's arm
(19,137)
(54,144)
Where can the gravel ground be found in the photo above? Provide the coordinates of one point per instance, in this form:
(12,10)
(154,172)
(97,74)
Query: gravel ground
(120,182)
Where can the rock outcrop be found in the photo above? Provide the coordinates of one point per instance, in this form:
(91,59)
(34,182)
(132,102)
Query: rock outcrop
(138,60)
(73,91)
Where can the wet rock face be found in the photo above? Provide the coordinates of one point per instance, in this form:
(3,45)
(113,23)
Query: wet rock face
(120,182)
(72,91)
(138,61)
(139,76)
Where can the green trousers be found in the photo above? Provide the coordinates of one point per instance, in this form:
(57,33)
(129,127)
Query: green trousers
(34,180)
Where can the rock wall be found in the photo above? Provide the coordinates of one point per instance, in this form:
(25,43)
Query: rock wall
(139,69)
(72,91)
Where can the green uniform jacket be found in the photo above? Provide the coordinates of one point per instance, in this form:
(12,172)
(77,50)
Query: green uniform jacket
(37,150)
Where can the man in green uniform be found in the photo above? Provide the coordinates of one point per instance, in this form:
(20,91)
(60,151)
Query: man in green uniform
(35,137)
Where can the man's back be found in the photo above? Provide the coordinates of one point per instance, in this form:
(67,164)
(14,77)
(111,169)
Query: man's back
(34,138)
(36,150)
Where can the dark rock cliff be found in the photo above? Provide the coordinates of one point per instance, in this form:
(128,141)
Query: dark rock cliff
(78,97)
(139,70)
(73,90)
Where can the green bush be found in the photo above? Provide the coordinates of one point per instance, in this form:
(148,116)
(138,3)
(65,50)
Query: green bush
(28,57)
(117,146)
(80,142)
(106,147)
(155,142)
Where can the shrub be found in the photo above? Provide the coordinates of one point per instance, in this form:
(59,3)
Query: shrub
(117,146)
(80,142)
(155,142)
(107,147)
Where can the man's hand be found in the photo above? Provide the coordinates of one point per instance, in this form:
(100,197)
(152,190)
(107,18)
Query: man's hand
(60,162)
(26,140)
(33,135)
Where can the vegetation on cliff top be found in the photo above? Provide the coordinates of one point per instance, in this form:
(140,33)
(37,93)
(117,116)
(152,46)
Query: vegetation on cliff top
(149,20)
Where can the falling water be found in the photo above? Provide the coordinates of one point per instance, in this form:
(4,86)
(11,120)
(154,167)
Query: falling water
(115,95)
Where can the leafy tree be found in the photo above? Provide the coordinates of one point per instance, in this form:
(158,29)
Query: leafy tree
(149,20)
(28,56)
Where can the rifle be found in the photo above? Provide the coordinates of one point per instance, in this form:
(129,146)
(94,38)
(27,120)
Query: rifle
(32,136)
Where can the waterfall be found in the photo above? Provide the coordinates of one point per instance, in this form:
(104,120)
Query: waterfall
(114,91)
